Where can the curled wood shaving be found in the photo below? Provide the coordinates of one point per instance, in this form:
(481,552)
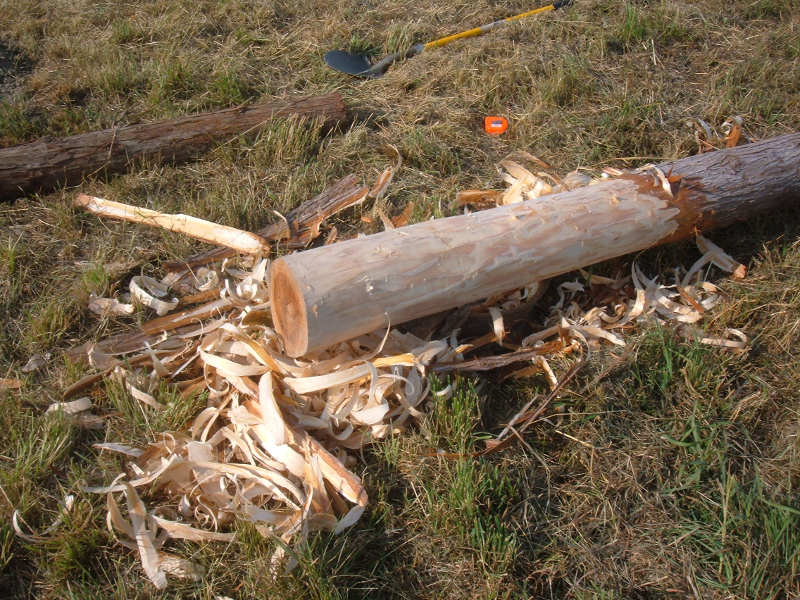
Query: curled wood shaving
(708,139)
(732,129)
(120,448)
(733,339)
(720,258)
(272,444)
(524,184)
(686,301)
(76,412)
(387,222)
(497,323)
(378,189)
(662,179)
(40,538)
(332,234)
(403,218)
(381,184)
(71,408)
(480,199)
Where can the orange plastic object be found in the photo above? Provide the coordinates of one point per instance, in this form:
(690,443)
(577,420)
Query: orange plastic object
(495,125)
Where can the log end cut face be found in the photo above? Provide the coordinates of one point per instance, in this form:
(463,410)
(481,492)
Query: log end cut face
(288,309)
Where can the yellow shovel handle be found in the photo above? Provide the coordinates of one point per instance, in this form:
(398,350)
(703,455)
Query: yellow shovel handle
(485,28)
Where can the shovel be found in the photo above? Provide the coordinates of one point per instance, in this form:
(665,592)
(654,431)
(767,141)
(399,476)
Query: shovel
(359,65)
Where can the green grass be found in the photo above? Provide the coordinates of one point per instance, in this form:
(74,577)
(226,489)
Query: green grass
(667,469)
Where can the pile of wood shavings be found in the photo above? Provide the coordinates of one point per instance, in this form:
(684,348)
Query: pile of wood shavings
(686,301)
(271,446)
(274,445)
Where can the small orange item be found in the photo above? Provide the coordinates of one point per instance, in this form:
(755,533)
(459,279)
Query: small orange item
(495,125)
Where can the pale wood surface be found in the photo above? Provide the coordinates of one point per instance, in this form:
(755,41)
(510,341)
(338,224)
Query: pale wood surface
(337,292)
(230,237)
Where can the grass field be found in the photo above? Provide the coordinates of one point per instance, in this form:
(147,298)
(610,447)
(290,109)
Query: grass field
(668,469)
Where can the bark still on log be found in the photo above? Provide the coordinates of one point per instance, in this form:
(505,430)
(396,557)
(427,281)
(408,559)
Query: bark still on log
(337,292)
(48,163)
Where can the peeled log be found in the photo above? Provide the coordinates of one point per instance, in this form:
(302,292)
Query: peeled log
(47,163)
(334,293)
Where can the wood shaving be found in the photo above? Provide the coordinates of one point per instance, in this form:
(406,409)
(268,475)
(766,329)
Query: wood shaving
(109,306)
(36,362)
(404,217)
(381,184)
(479,199)
(277,439)
(76,412)
(10,383)
(732,134)
(40,538)
(720,258)
(150,292)
(272,445)
(387,222)
(70,408)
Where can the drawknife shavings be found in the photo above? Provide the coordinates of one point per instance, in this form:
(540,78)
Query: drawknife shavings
(276,443)
(40,538)
(77,411)
(36,362)
(732,134)
(271,447)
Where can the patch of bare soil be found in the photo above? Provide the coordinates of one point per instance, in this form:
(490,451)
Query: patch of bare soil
(13,67)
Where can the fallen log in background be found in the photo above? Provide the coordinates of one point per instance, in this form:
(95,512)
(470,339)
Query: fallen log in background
(334,293)
(47,163)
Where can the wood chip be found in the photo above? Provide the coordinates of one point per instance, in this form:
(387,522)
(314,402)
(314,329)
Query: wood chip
(480,199)
(402,219)
(10,383)
(36,362)
(109,306)
(32,537)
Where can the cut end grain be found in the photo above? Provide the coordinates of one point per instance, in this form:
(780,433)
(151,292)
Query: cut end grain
(288,309)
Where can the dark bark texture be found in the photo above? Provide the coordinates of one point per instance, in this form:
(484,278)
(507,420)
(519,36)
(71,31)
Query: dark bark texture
(50,162)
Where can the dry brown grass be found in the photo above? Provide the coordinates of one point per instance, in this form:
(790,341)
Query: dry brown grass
(684,481)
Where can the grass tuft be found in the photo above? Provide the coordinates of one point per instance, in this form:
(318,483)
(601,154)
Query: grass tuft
(666,469)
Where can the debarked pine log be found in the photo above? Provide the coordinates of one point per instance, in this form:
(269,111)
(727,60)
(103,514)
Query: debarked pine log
(47,163)
(337,292)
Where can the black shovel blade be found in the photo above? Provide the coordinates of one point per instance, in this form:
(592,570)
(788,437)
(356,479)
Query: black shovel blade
(352,64)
